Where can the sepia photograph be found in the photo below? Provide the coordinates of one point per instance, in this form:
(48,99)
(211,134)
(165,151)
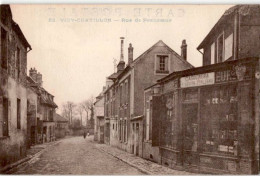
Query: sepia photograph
(129,89)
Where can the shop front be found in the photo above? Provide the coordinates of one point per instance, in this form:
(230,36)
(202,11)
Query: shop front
(219,118)
(209,119)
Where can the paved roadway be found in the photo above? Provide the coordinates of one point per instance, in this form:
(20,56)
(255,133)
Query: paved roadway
(76,156)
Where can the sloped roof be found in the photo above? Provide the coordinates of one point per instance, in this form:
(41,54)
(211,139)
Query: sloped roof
(114,75)
(242,10)
(20,34)
(44,99)
(161,43)
(59,118)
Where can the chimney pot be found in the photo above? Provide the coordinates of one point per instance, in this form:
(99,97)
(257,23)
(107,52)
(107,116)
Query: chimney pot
(33,74)
(121,64)
(130,54)
(184,49)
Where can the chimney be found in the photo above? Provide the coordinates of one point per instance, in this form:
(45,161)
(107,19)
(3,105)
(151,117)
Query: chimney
(184,50)
(130,54)
(39,79)
(121,64)
(33,74)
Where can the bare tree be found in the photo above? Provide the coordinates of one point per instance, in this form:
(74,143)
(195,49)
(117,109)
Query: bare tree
(87,105)
(80,110)
(68,110)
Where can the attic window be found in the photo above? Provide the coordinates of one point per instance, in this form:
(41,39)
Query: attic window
(162,64)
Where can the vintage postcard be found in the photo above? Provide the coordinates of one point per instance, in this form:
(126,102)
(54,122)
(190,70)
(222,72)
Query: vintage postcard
(92,89)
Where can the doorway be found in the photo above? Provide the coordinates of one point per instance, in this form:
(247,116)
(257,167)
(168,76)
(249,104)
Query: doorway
(190,129)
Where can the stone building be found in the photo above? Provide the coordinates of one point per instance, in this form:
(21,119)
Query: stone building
(32,104)
(13,90)
(124,100)
(61,126)
(207,118)
(45,108)
(99,121)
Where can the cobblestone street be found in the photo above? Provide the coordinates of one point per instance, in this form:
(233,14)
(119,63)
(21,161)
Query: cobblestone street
(76,156)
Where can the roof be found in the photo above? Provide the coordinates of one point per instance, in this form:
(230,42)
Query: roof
(40,90)
(128,67)
(19,32)
(59,118)
(161,43)
(242,10)
(114,75)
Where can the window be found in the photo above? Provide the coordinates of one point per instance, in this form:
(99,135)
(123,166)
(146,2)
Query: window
(4,48)
(148,120)
(5,113)
(220,48)
(120,91)
(212,53)
(18,113)
(125,131)
(18,62)
(228,47)
(162,64)
(220,119)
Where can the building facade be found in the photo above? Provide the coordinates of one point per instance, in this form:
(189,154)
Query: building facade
(13,89)
(45,108)
(99,121)
(209,116)
(124,100)
(61,126)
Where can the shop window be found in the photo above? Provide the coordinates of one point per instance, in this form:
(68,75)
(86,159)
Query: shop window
(18,113)
(5,120)
(4,48)
(220,48)
(219,115)
(162,64)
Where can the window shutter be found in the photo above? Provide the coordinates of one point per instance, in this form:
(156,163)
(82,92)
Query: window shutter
(166,63)
(156,117)
(157,65)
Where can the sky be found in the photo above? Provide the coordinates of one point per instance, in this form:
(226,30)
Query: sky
(74,46)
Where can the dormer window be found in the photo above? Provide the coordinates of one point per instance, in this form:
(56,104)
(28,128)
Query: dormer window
(162,64)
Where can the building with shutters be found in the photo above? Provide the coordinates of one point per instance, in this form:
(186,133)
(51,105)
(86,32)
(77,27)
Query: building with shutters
(13,89)
(208,117)
(124,100)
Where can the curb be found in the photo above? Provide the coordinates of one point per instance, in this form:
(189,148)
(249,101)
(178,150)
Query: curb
(25,160)
(129,163)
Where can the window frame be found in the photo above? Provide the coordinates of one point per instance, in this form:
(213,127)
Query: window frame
(223,48)
(157,70)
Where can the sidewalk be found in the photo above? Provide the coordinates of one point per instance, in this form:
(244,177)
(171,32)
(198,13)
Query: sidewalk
(32,153)
(143,165)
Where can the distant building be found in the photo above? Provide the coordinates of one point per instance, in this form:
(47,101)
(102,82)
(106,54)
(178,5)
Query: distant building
(61,126)
(124,99)
(45,108)
(99,121)
(13,89)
